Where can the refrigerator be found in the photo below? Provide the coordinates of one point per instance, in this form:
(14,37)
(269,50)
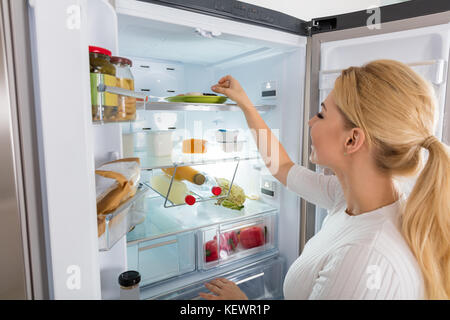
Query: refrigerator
(287,67)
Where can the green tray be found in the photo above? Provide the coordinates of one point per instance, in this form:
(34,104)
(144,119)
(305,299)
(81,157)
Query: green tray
(197,99)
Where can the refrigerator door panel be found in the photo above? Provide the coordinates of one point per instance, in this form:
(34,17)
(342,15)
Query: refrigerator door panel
(61,79)
(423,43)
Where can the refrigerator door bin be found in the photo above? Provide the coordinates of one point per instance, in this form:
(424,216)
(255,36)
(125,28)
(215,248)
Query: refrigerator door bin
(163,258)
(263,280)
(113,226)
(228,242)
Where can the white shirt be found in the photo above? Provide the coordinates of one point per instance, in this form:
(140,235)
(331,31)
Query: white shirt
(351,257)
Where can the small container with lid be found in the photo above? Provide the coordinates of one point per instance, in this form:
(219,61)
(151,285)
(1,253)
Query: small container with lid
(102,71)
(159,142)
(129,285)
(127,105)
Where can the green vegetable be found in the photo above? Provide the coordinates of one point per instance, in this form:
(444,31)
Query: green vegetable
(236,198)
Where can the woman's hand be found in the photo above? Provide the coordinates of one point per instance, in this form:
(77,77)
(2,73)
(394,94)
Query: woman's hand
(224,290)
(233,90)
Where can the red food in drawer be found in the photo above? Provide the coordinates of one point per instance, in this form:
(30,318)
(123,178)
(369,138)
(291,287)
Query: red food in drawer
(211,253)
(251,237)
(228,241)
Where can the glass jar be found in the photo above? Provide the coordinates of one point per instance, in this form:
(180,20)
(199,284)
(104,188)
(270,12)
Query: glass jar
(102,71)
(127,105)
(129,285)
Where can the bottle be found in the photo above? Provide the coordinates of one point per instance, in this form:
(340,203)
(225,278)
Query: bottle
(102,71)
(208,189)
(186,173)
(129,285)
(127,105)
(179,193)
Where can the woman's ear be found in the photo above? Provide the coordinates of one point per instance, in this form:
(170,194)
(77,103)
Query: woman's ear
(354,141)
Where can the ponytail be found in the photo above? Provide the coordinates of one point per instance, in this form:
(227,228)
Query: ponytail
(426,220)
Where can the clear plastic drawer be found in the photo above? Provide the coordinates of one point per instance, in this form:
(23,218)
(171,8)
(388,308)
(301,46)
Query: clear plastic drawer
(263,280)
(163,258)
(229,242)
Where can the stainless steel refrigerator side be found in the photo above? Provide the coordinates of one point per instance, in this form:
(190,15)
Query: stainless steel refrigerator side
(446,127)
(20,38)
(318,39)
(312,74)
(14,264)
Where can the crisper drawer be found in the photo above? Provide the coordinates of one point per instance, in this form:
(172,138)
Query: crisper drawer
(229,242)
(263,280)
(162,258)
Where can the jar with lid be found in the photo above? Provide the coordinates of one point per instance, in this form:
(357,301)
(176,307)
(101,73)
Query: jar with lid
(129,285)
(102,71)
(127,105)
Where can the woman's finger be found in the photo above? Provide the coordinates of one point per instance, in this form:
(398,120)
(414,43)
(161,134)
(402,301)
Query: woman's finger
(226,78)
(217,283)
(213,288)
(218,89)
(223,280)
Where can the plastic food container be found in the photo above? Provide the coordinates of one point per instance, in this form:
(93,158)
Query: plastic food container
(194,146)
(159,142)
(223,135)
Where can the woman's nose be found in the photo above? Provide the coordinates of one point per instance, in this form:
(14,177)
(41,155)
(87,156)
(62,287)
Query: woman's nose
(311,121)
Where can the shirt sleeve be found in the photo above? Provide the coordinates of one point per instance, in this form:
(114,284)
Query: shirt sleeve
(317,188)
(356,272)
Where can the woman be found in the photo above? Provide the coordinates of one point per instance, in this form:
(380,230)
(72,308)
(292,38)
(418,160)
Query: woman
(374,243)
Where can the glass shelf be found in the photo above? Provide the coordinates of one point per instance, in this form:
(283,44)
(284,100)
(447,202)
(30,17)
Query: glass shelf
(160,221)
(144,102)
(182,106)
(214,155)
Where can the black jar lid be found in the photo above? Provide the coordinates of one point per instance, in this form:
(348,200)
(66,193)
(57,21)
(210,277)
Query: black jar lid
(129,278)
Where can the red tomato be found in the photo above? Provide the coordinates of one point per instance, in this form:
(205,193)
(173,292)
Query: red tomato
(211,253)
(251,237)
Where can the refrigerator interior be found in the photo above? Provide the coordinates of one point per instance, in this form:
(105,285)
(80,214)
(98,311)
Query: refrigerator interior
(170,56)
(425,49)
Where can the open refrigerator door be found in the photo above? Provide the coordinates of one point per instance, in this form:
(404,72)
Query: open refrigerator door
(422,43)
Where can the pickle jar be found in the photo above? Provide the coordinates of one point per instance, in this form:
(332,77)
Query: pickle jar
(102,71)
(127,105)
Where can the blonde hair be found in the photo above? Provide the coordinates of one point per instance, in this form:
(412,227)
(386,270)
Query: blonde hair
(395,108)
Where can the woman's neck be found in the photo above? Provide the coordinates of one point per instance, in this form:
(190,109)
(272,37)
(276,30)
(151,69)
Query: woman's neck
(367,190)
